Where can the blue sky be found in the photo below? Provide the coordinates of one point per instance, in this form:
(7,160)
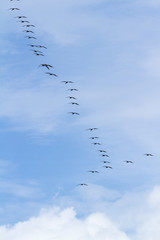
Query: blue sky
(111,51)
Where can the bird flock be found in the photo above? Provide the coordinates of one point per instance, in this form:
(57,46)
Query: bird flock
(38,50)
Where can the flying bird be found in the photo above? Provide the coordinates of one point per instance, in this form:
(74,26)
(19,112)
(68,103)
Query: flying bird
(148,154)
(74,113)
(12,9)
(31,45)
(105,155)
(82,184)
(36,51)
(72,89)
(91,171)
(105,161)
(108,167)
(95,143)
(39,54)
(128,161)
(19,17)
(23,21)
(74,103)
(46,65)
(29,37)
(29,25)
(51,74)
(101,151)
(91,129)
(28,31)
(67,82)
(71,97)
(41,46)
(93,138)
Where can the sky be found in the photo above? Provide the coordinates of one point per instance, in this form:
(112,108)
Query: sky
(110,50)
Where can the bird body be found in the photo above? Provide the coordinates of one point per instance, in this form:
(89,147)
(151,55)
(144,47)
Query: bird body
(128,161)
(91,129)
(101,151)
(148,154)
(67,82)
(72,89)
(95,143)
(74,113)
(71,97)
(51,74)
(12,9)
(46,65)
(91,171)
(74,103)
(108,167)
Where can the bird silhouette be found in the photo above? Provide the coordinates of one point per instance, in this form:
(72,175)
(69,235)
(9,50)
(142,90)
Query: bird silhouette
(41,46)
(74,103)
(128,161)
(74,113)
(36,51)
(72,89)
(39,54)
(105,161)
(94,138)
(22,21)
(31,45)
(91,129)
(19,17)
(29,37)
(104,155)
(51,74)
(91,171)
(28,31)
(70,97)
(29,25)
(67,82)
(82,184)
(12,9)
(95,143)
(102,151)
(108,167)
(148,154)
(46,65)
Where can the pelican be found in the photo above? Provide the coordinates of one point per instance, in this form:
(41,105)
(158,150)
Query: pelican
(71,97)
(95,143)
(23,21)
(148,154)
(29,25)
(51,74)
(28,31)
(46,65)
(91,129)
(91,171)
(128,161)
(93,138)
(105,161)
(29,37)
(74,113)
(104,155)
(19,17)
(12,9)
(102,151)
(72,89)
(108,167)
(74,103)
(67,82)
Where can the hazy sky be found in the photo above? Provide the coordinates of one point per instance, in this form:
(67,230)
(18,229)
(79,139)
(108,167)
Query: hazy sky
(110,49)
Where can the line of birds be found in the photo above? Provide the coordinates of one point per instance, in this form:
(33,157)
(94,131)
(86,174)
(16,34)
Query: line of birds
(73,100)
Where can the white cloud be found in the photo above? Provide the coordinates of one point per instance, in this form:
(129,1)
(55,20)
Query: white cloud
(60,225)
(135,215)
